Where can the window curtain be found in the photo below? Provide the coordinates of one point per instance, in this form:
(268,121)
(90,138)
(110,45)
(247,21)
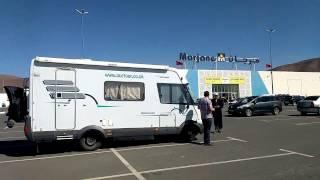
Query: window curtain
(130,91)
(112,91)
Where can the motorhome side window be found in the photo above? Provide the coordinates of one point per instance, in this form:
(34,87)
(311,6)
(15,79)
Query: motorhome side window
(123,91)
(173,94)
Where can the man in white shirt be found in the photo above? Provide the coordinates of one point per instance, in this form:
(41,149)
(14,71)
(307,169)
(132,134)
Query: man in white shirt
(206,109)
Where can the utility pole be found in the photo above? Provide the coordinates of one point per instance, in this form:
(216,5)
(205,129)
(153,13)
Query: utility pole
(270,31)
(82,12)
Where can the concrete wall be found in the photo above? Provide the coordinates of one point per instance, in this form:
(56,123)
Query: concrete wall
(293,83)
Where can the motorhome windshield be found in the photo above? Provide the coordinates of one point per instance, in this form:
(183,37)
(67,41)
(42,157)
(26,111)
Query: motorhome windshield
(174,94)
(188,94)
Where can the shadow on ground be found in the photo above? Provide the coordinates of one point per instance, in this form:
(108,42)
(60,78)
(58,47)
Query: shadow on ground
(20,148)
(307,115)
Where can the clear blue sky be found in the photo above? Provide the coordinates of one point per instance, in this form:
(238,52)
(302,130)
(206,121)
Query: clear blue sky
(155,31)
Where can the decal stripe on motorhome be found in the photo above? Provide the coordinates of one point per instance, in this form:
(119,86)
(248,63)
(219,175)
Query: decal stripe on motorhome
(62,89)
(102,106)
(67,95)
(92,98)
(57,82)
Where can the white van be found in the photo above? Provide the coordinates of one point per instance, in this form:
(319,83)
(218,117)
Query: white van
(91,100)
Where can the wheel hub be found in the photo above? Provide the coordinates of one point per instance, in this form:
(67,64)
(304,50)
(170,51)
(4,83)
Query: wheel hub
(90,141)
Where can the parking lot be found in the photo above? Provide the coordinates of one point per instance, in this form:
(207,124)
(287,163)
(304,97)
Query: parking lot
(285,146)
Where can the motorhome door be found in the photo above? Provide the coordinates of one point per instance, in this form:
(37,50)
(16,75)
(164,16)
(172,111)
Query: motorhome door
(174,108)
(65,99)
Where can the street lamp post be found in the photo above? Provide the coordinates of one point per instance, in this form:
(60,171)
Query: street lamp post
(82,12)
(270,31)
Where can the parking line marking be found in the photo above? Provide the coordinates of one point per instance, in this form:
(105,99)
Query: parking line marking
(97,152)
(52,157)
(237,139)
(169,145)
(287,153)
(302,124)
(127,164)
(11,132)
(109,177)
(217,163)
(14,127)
(302,154)
(13,138)
(274,120)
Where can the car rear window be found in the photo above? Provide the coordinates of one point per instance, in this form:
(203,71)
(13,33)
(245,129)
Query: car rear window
(313,98)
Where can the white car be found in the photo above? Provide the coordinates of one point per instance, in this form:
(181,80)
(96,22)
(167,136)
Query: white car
(310,104)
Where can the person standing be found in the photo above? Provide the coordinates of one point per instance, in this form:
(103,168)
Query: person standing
(217,104)
(206,109)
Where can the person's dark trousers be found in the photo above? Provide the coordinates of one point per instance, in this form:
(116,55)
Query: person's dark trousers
(206,130)
(218,120)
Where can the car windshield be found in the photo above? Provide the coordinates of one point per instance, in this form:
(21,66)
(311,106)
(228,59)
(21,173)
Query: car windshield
(247,99)
(313,98)
(239,99)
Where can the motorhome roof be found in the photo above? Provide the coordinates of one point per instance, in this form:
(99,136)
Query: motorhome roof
(99,63)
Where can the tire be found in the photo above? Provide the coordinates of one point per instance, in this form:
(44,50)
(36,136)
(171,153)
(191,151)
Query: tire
(248,112)
(189,133)
(90,142)
(275,111)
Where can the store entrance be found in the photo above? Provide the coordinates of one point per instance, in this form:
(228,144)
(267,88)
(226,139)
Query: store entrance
(228,91)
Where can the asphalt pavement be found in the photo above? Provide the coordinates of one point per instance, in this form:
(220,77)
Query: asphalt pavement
(285,146)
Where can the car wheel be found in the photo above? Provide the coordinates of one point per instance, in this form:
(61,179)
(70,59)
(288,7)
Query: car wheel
(189,133)
(248,112)
(275,111)
(90,142)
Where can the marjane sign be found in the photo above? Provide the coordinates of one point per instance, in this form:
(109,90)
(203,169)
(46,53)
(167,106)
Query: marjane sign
(219,58)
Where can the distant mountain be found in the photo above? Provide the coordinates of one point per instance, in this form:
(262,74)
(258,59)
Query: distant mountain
(10,80)
(309,65)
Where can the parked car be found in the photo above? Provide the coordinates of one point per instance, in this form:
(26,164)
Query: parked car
(287,99)
(257,105)
(296,99)
(310,104)
(235,101)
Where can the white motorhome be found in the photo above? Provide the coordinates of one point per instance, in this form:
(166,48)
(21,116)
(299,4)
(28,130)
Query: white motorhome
(90,100)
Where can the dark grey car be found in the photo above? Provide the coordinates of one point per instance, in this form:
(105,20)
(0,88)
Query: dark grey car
(259,105)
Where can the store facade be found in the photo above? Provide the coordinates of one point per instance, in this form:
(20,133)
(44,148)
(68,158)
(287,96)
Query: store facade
(237,83)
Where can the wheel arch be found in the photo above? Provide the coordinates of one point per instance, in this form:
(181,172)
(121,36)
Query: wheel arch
(92,129)
(191,124)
